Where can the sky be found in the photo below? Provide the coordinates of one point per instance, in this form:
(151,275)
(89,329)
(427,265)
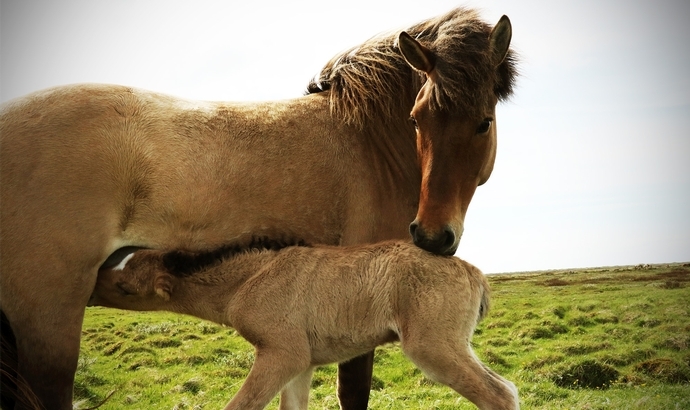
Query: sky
(593,164)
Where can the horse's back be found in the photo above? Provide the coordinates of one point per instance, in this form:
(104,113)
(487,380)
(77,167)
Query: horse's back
(53,166)
(133,167)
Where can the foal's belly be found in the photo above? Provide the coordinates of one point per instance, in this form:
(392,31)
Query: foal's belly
(337,350)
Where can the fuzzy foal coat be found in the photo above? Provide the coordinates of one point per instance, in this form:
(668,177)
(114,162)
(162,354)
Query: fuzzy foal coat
(307,306)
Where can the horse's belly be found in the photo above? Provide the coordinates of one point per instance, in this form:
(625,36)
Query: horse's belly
(202,226)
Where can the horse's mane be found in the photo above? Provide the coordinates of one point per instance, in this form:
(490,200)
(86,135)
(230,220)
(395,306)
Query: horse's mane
(366,81)
(184,263)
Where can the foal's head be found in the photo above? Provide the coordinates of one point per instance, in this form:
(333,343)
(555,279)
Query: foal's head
(139,282)
(454,117)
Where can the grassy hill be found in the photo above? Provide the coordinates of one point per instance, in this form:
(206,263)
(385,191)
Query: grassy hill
(614,338)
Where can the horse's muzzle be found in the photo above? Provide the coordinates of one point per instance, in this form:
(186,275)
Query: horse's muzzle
(444,242)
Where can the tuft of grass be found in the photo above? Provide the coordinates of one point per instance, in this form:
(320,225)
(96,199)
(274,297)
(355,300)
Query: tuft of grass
(586,339)
(588,373)
(192,385)
(161,342)
(584,347)
(559,311)
(665,370)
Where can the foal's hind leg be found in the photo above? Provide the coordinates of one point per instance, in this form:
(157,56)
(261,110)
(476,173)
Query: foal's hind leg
(295,395)
(273,368)
(456,366)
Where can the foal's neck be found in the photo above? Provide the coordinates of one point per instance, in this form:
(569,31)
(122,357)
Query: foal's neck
(207,293)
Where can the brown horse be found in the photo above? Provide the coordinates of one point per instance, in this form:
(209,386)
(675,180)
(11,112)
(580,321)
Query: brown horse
(303,307)
(89,169)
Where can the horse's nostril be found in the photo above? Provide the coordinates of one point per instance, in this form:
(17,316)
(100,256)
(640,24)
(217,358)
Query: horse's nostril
(413,229)
(450,238)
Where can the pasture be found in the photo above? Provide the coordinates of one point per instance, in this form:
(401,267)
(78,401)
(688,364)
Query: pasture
(588,339)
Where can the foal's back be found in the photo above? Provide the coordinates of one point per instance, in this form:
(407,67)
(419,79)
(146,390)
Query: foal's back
(331,304)
(355,298)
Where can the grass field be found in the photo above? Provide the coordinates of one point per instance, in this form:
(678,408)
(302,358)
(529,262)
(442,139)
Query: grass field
(607,338)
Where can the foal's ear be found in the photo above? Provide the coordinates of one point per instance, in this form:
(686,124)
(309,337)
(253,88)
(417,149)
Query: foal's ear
(416,55)
(499,40)
(163,286)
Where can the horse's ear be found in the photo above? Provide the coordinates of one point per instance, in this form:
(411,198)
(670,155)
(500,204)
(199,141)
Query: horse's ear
(499,40)
(416,55)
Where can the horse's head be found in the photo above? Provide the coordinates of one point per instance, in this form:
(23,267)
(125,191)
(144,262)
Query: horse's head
(456,140)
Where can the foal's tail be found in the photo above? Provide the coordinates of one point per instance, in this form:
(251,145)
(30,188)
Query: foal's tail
(485,303)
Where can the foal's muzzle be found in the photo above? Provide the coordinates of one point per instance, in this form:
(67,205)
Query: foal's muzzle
(444,242)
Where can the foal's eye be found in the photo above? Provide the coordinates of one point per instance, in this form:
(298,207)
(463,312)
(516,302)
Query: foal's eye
(484,126)
(124,289)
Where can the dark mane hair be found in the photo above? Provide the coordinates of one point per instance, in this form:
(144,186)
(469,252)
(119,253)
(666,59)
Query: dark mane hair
(366,81)
(184,263)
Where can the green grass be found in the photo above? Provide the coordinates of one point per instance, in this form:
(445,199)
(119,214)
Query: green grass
(616,338)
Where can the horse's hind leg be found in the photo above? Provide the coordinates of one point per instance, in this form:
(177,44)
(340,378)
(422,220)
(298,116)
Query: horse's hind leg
(8,365)
(15,392)
(44,302)
(456,366)
(354,382)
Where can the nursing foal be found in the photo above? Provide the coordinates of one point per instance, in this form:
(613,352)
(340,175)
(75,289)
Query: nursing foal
(307,306)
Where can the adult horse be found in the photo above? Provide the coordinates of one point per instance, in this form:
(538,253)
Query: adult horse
(90,169)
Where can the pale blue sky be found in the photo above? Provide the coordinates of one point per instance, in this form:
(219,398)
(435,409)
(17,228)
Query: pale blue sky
(593,167)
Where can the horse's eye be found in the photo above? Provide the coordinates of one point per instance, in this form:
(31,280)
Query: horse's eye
(414,122)
(484,126)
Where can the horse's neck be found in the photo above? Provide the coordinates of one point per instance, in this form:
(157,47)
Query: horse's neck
(393,154)
(394,174)
(365,177)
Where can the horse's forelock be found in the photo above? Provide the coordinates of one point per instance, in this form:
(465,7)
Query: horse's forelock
(466,77)
(366,81)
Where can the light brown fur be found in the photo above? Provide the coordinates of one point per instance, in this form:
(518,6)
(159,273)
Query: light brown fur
(307,306)
(88,169)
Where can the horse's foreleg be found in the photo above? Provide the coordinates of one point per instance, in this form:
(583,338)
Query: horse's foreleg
(354,382)
(295,395)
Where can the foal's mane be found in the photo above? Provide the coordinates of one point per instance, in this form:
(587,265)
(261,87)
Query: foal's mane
(184,263)
(373,80)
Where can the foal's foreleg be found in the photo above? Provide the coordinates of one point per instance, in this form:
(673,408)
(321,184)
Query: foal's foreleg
(456,366)
(272,370)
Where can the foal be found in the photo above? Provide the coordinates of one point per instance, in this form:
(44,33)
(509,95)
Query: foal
(307,306)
